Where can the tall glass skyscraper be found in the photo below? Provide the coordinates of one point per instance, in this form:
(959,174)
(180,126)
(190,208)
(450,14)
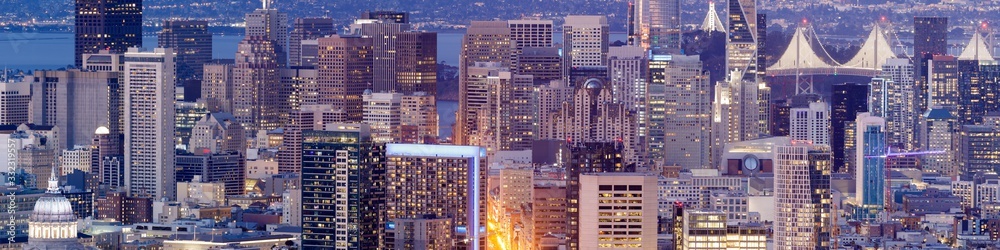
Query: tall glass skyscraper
(870,177)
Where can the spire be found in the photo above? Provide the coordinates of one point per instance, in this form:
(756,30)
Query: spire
(976,49)
(53,182)
(712,21)
(267,3)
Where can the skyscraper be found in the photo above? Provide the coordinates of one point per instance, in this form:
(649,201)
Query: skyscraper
(590,115)
(679,112)
(544,64)
(77,102)
(149,123)
(601,224)
(217,86)
(257,102)
(811,122)
(14,106)
(937,134)
(585,42)
(416,62)
(978,150)
(342,188)
(500,110)
(893,97)
(384,50)
(659,24)
(382,114)
(942,84)
(392,16)
(587,157)
(736,112)
(978,89)
(419,121)
(741,48)
(802,196)
(415,187)
(307,29)
(267,23)
(193,44)
(870,175)
(627,69)
(930,38)
(345,72)
(848,100)
(484,41)
(114,25)
(530,33)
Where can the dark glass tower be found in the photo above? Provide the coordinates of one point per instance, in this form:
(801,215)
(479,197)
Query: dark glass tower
(848,100)
(590,157)
(193,44)
(342,188)
(307,29)
(115,25)
(930,38)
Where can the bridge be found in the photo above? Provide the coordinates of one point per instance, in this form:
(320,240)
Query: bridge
(801,59)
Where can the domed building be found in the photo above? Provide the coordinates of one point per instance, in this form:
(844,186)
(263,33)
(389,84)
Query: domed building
(52,225)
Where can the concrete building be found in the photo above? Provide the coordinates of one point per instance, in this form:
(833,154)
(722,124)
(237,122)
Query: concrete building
(345,72)
(592,116)
(978,150)
(267,23)
(419,119)
(416,63)
(217,133)
(679,108)
(79,158)
(811,123)
(308,117)
(891,97)
(542,63)
(257,101)
(484,41)
(225,167)
(217,86)
(301,87)
(548,209)
(530,33)
(78,102)
(198,191)
(413,168)
(802,168)
(307,29)
(585,42)
(587,157)
(149,123)
(14,106)
(383,115)
(601,223)
(428,232)
(500,108)
(937,134)
(737,109)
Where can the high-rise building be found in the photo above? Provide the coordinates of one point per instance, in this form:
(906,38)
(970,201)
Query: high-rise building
(601,224)
(427,232)
(742,46)
(870,175)
(781,111)
(217,133)
(587,157)
(591,115)
(979,90)
(938,135)
(342,188)
(392,16)
(978,150)
(383,35)
(811,122)
(382,114)
(709,229)
(530,33)
(544,64)
(107,25)
(679,108)
(484,41)
(217,86)
(930,36)
(308,117)
(892,97)
(419,119)
(300,86)
(307,29)
(627,69)
(15,102)
(942,84)
(192,42)
(736,112)
(228,168)
(77,102)
(585,42)
(109,166)
(267,23)
(500,112)
(802,196)
(548,208)
(345,72)
(149,123)
(416,63)
(415,188)
(659,23)
(257,103)
(847,101)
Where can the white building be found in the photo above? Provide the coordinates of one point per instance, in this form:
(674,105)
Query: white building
(609,209)
(811,123)
(937,134)
(149,123)
(16,98)
(679,111)
(79,158)
(802,196)
(891,97)
(585,42)
(291,214)
(197,192)
(382,113)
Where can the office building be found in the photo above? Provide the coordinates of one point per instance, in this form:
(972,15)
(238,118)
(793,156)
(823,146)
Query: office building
(149,123)
(892,97)
(627,69)
(736,111)
(500,111)
(117,206)
(702,229)
(111,25)
(14,106)
(217,86)
(419,119)
(942,84)
(587,157)
(937,134)
(217,133)
(228,168)
(428,232)
(257,100)
(544,64)
(592,116)
(267,23)
(345,72)
(930,36)
(392,16)
(78,102)
(383,115)
(811,123)
(192,42)
(742,45)
(484,41)
(803,197)
(658,24)
(415,189)
(342,188)
(383,35)
(78,158)
(847,101)
(110,166)
(300,86)
(416,63)
(548,208)
(530,33)
(978,150)
(679,108)
(602,225)
(585,42)
(978,83)
(870,177)
(308,117)
(304,29)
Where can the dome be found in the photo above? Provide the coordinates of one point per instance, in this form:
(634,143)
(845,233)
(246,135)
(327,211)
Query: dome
(102,130)
(592,83)
(51,208)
